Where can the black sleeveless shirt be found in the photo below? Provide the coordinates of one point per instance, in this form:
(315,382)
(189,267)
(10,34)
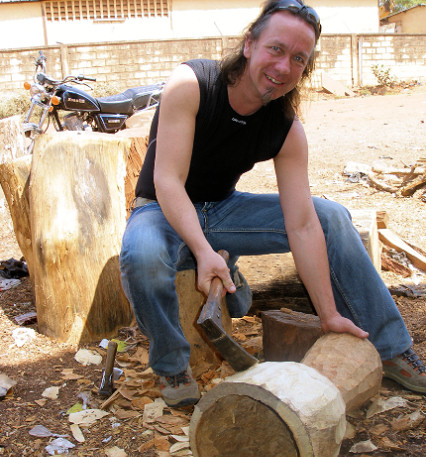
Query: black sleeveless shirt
(226,144)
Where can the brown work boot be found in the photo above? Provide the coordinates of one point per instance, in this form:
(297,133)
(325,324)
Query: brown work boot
(179,390)
(408,370)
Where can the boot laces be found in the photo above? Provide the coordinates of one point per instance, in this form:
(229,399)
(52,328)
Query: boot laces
(180,378)
(414,360)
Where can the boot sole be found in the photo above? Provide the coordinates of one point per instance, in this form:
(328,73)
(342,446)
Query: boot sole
(403,382)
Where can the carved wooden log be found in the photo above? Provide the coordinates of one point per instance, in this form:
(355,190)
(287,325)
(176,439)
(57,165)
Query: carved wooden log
(279,408)
(353,364)
(203,354)
(288,334)
(271,409)
(14,179)
(77,220)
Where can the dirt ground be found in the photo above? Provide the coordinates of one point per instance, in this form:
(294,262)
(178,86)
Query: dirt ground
(361,129)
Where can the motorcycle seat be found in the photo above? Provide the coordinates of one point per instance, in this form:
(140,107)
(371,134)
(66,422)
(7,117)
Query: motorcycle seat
(130,100)
(116,104)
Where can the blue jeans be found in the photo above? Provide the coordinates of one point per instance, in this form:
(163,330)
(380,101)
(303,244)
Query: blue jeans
(247,224)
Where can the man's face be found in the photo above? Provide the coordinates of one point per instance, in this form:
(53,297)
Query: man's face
(277,59)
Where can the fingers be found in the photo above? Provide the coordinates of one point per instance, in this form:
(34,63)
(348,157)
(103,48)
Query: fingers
(208,269)
(228,285)
(360,333)
(342,325)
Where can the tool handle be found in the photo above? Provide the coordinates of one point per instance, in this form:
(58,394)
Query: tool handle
(111,352)
(216,287)
(212,309)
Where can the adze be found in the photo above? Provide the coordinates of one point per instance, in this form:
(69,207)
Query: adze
(210,321)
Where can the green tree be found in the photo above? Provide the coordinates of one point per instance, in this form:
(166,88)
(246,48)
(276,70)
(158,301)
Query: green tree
(394,6)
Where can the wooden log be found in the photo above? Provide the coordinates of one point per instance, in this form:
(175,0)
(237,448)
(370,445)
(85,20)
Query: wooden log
(14,179)
(288,334)
(352,364)
(77,220)
(272,409)
(390,264)
(408,189)
(203,354)
(394,241)
(12,140)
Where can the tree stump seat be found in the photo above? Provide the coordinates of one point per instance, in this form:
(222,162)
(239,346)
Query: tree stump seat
(69,204)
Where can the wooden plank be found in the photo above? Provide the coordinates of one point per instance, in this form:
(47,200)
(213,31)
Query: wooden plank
(382,219)
(365,221)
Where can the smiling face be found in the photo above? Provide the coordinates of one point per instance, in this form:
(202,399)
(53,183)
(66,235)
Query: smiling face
(277,59)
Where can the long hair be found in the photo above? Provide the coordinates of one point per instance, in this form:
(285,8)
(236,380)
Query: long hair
(234,64)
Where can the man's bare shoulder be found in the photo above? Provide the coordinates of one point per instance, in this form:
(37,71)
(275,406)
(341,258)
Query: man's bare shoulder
(182,89)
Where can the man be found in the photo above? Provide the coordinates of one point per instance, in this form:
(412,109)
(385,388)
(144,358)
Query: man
(213,124)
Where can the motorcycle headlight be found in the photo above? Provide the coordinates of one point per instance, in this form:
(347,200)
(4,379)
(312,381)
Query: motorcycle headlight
(36,89)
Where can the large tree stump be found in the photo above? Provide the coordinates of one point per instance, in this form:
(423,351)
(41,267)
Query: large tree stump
(14,179)
(352,363)
(272,409)
(77,220)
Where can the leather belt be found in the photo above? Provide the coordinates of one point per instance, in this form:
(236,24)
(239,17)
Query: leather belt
(141,201)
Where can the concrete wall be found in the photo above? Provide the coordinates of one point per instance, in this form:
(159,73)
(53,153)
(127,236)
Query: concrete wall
(23,24)
(345,58)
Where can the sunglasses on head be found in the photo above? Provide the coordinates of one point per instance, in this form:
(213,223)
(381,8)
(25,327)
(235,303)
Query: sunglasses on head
(295,7)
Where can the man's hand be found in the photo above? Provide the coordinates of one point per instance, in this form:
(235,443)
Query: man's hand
(340,324)
(210,266)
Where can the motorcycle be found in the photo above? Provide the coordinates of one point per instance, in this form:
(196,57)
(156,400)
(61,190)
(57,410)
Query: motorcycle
(72,108)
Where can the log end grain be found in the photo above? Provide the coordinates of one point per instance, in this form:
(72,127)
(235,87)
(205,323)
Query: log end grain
(250,410)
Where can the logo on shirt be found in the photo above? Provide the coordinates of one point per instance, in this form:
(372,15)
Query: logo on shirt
(239,121)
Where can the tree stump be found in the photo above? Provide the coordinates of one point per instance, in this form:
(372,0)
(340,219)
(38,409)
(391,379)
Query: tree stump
(288,334)
(352,363)
(272,409)
(77,220)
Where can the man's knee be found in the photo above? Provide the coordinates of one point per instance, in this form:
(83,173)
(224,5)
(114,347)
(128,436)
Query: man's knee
(333,216)
(139,255)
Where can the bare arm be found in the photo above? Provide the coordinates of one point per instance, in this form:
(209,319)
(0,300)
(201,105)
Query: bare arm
(305,233)
(179,106)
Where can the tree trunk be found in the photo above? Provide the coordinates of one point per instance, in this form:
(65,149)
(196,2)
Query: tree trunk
(271,409)
(288,408)
(77,219)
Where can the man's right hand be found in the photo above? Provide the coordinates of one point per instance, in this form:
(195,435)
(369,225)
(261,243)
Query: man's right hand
(213,265)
